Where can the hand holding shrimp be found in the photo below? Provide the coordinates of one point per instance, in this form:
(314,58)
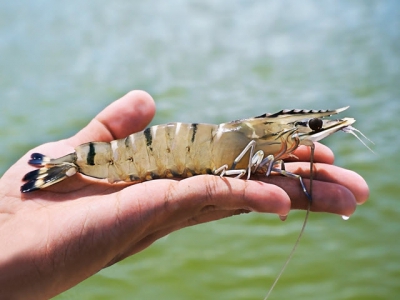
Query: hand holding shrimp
(72,230)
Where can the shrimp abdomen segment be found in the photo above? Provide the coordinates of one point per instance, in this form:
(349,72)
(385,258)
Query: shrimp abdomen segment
(94,159)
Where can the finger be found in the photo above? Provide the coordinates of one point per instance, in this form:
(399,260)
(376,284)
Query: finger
(333,174)
(326,196)
(171,202)
(213,193)
(163,206)
(140,213)
(129,114)
(322,154)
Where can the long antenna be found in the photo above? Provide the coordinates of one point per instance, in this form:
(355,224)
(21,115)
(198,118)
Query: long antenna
(302,228)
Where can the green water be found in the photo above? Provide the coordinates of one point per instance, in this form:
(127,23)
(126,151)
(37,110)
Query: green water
(215,61)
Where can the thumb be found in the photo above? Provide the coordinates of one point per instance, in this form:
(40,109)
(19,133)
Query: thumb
(129,114)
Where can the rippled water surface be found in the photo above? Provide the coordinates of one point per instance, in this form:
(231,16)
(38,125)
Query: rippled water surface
(215,61)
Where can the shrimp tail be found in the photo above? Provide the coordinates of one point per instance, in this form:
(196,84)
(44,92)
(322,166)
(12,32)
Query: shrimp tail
(51,171)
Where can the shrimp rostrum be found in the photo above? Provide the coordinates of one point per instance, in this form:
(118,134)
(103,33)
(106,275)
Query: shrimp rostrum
(238,148)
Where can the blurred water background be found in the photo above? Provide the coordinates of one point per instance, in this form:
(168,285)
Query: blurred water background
(214,61)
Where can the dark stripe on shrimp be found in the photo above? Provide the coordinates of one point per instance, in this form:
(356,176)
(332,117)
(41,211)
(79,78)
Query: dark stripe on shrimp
(91,154)
(194,125)
(149,138)
(127,141)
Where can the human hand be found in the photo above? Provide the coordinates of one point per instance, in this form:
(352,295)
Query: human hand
(54,238)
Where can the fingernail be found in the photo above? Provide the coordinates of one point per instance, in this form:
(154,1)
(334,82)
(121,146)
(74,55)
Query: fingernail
(283,218)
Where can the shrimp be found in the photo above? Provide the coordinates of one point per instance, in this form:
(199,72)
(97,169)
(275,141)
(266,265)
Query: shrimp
(180,150)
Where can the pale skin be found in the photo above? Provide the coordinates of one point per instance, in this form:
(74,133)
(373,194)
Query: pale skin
(55,238)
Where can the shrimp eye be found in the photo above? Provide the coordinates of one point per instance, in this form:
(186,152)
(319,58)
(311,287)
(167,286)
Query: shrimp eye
(315,124)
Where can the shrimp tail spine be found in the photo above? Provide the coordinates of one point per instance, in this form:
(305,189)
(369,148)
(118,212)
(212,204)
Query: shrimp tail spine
(51,171)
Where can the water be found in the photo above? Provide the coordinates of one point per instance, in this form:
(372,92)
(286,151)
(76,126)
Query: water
(207,61)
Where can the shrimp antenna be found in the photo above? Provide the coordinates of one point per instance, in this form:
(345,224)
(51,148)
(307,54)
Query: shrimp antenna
(302,228)
(352,130)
